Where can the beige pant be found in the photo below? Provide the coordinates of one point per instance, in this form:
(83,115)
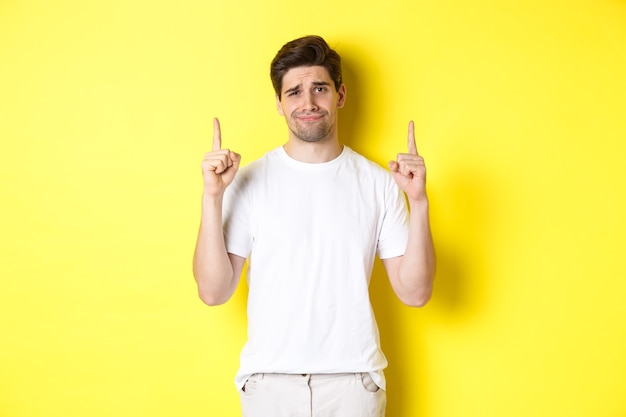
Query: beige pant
(318,395)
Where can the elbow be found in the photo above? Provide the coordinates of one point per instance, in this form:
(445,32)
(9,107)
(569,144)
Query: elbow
(213,293)
(418,298)
(211,298)
(414,289)
(421,295)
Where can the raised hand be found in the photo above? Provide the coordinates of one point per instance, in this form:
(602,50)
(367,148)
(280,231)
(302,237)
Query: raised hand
(220,165)
(409,170)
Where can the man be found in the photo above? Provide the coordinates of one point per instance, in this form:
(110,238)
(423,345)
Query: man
(310,217)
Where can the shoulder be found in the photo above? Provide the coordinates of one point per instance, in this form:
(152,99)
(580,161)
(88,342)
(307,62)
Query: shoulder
(260,163)
(255,170)
(366,166)
(373,177)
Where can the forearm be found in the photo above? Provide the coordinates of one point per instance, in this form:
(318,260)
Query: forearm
(417,267)
(212,267)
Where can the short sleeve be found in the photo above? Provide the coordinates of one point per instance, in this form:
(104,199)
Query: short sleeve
(237,216)
(394,232)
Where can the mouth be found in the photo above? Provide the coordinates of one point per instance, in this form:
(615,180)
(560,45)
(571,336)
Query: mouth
(313,117)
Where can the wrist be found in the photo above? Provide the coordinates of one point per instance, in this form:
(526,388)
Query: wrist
(211,199)
(419,204)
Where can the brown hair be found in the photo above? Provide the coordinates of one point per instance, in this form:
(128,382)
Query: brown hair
(305,51)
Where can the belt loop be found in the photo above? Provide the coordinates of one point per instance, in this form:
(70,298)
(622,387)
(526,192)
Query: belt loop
(261,376)
(358,376)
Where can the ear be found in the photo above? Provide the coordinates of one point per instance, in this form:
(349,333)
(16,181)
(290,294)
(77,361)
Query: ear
(279,107)
(342,96)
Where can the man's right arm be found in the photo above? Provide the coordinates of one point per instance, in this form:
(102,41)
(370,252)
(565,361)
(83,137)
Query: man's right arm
(216,271)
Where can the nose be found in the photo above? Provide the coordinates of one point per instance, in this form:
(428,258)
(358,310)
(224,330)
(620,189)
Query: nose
(309,103)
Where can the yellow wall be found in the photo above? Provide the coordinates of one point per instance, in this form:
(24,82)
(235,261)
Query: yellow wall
(105,113)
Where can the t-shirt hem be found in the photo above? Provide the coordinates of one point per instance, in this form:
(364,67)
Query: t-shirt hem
(391,253)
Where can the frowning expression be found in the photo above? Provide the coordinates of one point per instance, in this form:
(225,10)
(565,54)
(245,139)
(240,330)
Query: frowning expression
(309,102)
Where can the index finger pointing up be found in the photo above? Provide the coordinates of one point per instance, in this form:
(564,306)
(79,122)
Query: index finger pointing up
(412,146)
(217,135)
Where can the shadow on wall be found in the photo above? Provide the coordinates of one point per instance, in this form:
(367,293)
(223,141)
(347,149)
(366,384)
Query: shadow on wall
(350,116)
(463,224)
(459,293)
(466,219)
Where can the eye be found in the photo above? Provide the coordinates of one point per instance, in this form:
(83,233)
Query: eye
(320,89)
(293,93)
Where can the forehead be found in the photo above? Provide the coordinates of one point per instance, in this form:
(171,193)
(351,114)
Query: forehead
(302,75)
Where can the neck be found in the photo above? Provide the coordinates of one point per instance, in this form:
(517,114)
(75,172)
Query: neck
(313,152)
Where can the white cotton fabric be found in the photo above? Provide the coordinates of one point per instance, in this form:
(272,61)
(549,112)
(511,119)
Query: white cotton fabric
(311,233)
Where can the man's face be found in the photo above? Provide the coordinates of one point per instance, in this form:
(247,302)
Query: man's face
(309,103)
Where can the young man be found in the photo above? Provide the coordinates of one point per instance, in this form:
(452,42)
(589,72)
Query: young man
(310,217)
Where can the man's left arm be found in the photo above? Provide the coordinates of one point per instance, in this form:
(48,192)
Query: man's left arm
(412,274)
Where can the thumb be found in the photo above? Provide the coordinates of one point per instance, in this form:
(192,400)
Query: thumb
(236,159)
(400,179)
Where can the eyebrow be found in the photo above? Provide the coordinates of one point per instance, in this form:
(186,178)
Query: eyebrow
(297,87)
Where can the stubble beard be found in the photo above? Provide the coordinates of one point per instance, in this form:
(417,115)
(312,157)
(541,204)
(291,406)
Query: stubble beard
(311,132)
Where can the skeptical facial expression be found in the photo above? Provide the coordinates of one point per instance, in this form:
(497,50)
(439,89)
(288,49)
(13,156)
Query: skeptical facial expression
(309,102)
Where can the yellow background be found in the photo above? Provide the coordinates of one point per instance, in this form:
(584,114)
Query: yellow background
(105,113)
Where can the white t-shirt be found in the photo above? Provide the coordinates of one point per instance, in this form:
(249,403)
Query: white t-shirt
(311,233)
